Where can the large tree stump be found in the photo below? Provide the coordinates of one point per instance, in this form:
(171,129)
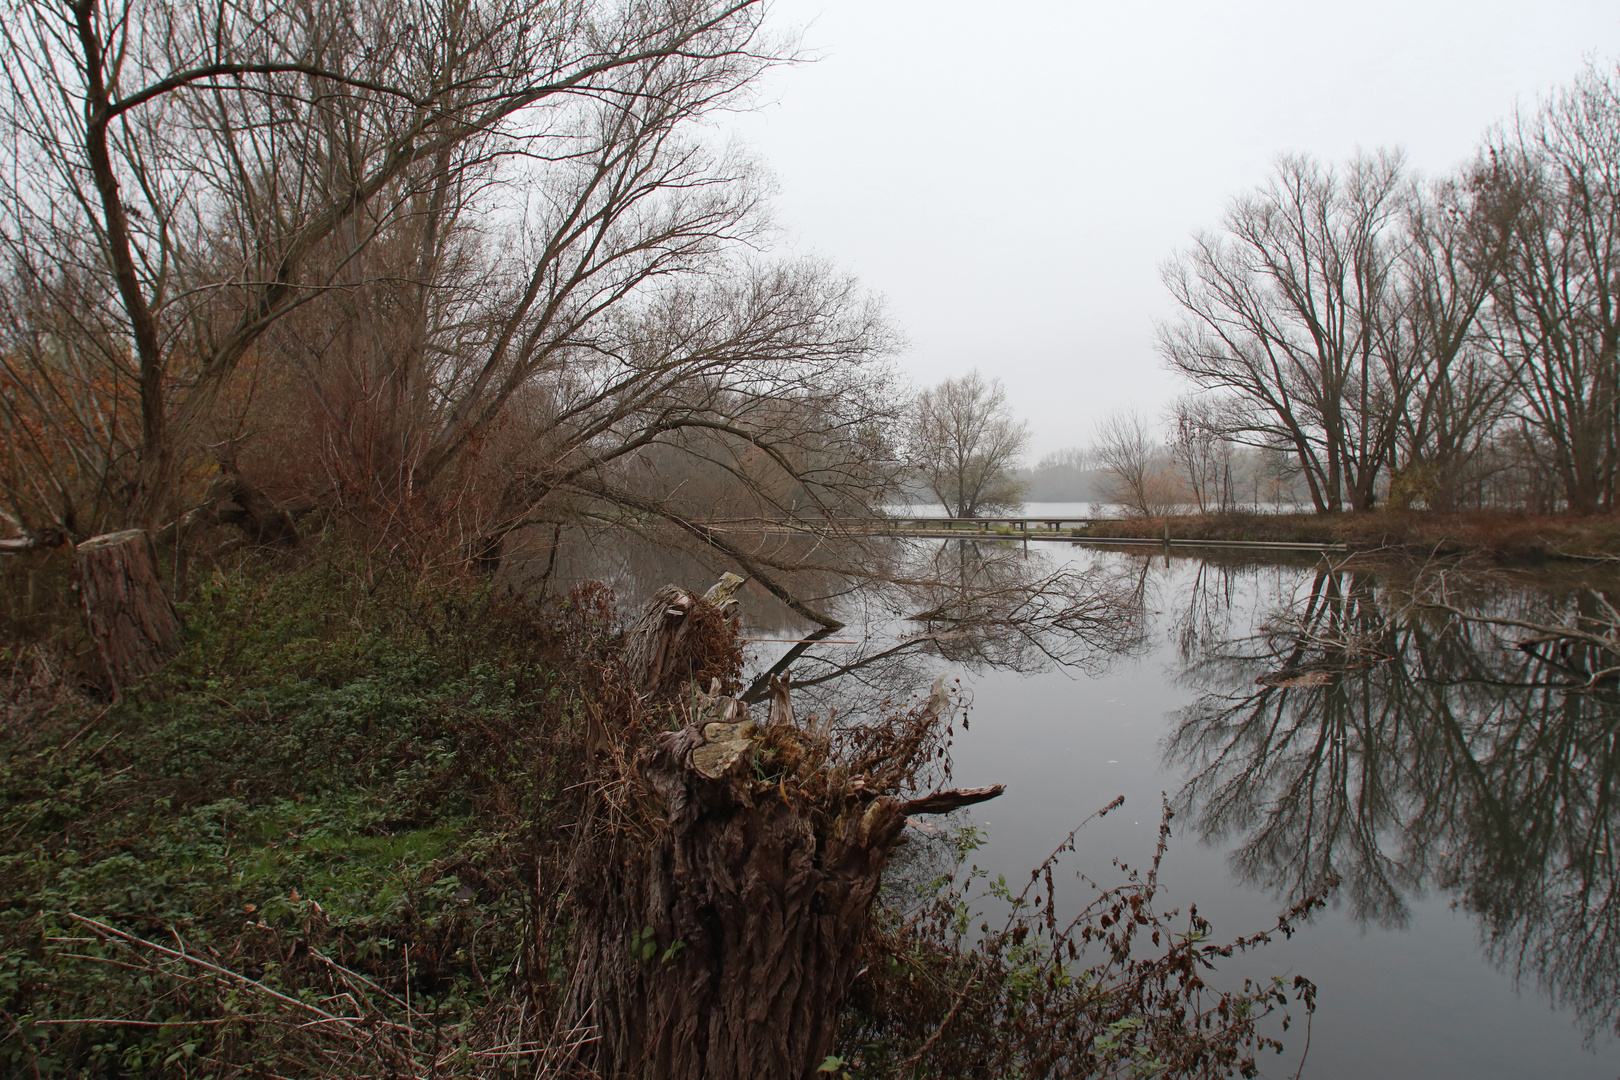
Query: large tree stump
(131,620)
(723,889)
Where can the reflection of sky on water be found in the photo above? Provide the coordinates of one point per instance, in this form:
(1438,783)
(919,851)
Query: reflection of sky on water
(1448,781)
(1422,999)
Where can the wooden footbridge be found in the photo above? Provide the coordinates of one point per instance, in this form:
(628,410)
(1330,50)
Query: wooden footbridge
(954,526)
(1047,527)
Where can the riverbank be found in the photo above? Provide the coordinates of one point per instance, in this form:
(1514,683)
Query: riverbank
(1500,535)
(348,789)
(339,835)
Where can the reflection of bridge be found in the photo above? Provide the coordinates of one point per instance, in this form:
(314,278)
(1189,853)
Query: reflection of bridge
(983,524)
(1043,527)
(1047,527)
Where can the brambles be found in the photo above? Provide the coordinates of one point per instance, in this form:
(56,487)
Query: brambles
(1118,989)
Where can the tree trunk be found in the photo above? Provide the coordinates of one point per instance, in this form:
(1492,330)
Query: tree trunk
(131,621)
(723,888)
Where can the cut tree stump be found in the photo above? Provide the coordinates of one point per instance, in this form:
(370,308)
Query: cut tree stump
(723,882)
(131,620)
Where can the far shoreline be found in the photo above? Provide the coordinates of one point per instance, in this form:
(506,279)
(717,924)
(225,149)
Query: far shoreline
(1504,536)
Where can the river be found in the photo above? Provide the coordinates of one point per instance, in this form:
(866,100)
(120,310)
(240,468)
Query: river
(1303,723)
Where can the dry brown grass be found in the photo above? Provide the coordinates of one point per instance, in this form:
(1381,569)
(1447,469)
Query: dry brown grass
(1507,536)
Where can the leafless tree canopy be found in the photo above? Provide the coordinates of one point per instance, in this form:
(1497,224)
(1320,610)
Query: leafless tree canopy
(1140,478)
(965,445)
(439,269)
(1555,319)
(1284,310)
(1433,342)
(1203,452)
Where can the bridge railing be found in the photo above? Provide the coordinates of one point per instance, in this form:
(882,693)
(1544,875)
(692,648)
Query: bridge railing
(984,524)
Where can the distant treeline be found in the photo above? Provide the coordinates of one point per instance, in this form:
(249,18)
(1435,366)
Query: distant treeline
(1257,480)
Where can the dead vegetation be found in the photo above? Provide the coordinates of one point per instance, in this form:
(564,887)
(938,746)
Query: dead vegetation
(979,978)
(1505,536)
(344,1024)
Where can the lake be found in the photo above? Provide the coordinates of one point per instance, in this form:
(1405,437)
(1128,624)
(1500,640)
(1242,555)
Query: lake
(1306,724)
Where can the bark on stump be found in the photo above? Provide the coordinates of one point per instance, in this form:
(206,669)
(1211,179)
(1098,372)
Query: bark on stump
(131,620)
(723,890)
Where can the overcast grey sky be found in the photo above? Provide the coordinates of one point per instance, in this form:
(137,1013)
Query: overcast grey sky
(1010,176)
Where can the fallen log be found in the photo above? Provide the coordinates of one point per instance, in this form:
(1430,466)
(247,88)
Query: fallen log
(130,618)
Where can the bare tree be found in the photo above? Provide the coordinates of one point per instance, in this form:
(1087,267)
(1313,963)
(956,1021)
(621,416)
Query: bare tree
(1556,313)
(757,398)
(1201,451)
(1127,451)
(178,180)
(1285,309)
(965,444)
(1456,241)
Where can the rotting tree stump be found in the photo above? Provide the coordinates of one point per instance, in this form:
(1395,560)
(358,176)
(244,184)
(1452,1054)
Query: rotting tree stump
(131,621)
(723,888)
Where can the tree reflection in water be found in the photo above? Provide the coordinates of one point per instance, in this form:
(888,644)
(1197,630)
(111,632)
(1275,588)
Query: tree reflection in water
(967,605)
(1361,736)
(913,607)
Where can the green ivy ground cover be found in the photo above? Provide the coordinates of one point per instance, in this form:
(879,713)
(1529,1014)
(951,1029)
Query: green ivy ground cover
(333,768)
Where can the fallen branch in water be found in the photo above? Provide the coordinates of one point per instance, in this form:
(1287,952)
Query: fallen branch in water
(1605,637)
(943,802)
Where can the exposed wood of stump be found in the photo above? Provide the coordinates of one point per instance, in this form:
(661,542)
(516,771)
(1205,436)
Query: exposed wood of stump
(723,892)
(681,636)
(131,620)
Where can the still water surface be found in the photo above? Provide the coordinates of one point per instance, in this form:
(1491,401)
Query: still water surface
(1463,799)
(1303,723)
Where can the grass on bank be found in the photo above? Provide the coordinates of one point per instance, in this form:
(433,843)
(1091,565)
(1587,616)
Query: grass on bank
(338,782)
